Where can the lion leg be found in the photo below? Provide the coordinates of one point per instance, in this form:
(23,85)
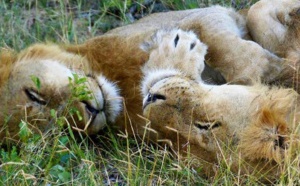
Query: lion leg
(268,23)
(279,32)
(237,59)
(176,49)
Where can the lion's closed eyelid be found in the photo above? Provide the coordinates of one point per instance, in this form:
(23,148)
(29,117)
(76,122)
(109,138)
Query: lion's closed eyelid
(207,125)
(90,75)
(34,96)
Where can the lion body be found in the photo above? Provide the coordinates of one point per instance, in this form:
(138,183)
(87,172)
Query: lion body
(118,56)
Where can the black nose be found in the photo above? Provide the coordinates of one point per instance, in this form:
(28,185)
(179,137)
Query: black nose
(153,97)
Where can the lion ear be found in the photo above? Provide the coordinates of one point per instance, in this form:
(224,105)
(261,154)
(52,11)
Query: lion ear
(266,117)
(272,119)
(7,59)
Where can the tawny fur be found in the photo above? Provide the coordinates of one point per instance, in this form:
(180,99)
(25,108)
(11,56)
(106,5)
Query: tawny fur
(279,32)
(256,122)
(266,138)
(7,57)
(53,66)
(197,115)
(118,56)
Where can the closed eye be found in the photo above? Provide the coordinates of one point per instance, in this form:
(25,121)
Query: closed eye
(207,125)
(35,97)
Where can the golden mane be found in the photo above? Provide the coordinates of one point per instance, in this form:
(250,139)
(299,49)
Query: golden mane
(7,58)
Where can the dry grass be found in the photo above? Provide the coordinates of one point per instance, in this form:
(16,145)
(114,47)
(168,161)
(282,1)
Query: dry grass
(61,157)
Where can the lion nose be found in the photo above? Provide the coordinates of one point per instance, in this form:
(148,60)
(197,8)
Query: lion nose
(151,98)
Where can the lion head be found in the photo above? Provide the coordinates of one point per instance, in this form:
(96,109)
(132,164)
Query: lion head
(203,120)
(44,79)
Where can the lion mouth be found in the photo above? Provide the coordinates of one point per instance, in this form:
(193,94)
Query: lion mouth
(91,111)
(112,100)
(106,107)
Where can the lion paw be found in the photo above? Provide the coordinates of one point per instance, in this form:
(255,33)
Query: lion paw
(176,49)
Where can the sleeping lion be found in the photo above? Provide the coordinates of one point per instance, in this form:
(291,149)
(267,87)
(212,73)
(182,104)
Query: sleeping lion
(24,99)
(249,127)
(198,118)
(113,61)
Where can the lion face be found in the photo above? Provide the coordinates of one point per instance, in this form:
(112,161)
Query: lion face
(175,107)
(229,121)
(213,121)
(54,68)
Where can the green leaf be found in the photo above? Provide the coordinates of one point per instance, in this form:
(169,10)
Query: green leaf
(79,89)
(53,113)
(24,132)
(81,80)
(10,156)
(79,115)
(64,176)
(36,81)
(64,140)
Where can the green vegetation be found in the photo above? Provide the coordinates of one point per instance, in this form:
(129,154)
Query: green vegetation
(62,157)
(25,22)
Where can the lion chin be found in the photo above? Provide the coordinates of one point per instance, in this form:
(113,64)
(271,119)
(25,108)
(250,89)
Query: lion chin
(55,69)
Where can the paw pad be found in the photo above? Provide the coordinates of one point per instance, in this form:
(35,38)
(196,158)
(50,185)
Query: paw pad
(176,49)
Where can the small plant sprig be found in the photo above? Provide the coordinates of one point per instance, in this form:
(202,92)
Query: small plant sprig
(36,81)
(79,91)
(25,132)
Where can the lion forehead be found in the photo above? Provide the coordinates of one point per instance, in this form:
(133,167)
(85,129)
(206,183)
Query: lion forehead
(51,72)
